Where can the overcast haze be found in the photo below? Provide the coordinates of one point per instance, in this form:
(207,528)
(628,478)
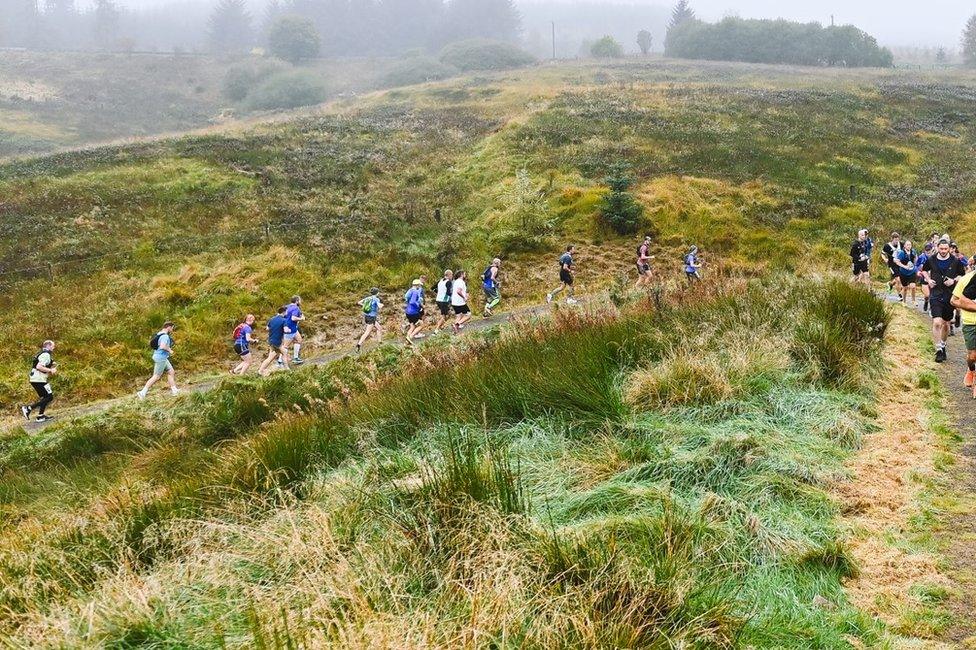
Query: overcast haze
(894,22)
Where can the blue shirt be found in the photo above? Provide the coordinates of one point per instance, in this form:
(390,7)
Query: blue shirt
(159,354)
(243,334)
(690,261)
(276,330)
(565,260)
(291,326)
(905,258)
(371,305)
(415,301)
(920,261)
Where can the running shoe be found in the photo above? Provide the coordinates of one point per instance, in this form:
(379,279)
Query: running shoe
(572,301)
(298,361)
(359,348)
(43,418)
(940,355)
(456,328)
(548,298)
(174,391)
(142,394)
(970,376)
(25,411)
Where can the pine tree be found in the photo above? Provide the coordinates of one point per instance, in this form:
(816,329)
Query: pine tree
(230,27)
(105,27)
(620,209)
(681,14)
(644,41)
(941,56)
(969,43)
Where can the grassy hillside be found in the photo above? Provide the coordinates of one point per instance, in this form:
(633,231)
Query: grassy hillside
(652,477)
(762,167)
(56,100)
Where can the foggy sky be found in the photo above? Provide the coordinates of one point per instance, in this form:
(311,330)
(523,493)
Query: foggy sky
(893,22)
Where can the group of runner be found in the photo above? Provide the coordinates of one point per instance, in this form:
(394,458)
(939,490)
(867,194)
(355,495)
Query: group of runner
(284,336)
(941,273)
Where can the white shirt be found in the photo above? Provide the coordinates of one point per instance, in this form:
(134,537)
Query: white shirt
(36,376)
(459,296)
(442,291)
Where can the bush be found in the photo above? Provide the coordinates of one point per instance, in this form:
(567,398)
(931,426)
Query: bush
(607,48)
(417,70)
(241,79)
(483,54)
(619,209)
(525,223)
(287,90)
(294,38)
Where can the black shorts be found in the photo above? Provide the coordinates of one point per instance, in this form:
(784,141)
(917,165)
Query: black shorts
(908,280)
(643,269)
(565,277)
(860,266)
(893,270)
(461,309)
(369,320)
(274,347)
(444,308)
(413,319)
(242,349)
(940,307)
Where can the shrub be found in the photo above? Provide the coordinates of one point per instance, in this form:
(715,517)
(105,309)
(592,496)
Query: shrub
(417,70)
(294,38)
(483,54)
(241,79)
(525,223)
(607,48)
(286,90)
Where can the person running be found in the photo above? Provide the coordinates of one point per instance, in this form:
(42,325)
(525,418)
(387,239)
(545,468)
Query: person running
(693,265)
(964,299)
(644,257)
(276,343)
(459,301)
(942,271)
(907,272)
(293,334)
(414,311)
(443,299)
(922,281)
(43,367)
(491,284)
(162,347)
(889,255)
(567,274)
(242,344)
(371,313)
(860,258)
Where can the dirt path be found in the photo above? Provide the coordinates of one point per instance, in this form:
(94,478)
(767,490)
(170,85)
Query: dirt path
(959,534)
(206,384)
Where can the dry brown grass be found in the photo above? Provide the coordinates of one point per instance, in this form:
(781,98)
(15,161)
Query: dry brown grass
(883,493)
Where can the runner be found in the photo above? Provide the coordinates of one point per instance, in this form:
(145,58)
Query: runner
(414,311)
(693,265)
(907,273)
(459,301)
(43,367)
(293,318)
(242,344)
(889,255)
(443,299)
(276,342)
(371,312)
(922,279)
(491,284)
(162,346)
(860,258)
(964,299)
(644,257)
(567,273)
(957,315)
(942,271)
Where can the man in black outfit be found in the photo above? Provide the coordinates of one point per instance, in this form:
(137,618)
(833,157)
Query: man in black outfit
(860,256)
(941,271)
(889,253)
(42,368)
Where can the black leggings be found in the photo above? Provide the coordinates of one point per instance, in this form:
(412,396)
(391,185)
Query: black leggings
(45,393)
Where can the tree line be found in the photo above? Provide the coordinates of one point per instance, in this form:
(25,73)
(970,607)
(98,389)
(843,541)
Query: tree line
(344,27)
(771,41)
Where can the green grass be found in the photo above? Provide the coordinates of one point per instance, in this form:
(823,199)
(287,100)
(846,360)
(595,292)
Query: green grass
(497,496)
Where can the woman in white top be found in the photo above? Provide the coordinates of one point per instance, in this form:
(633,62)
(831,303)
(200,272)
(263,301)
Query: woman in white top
(459,301)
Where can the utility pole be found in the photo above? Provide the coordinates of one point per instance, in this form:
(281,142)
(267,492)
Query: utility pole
(831,20)
(554,40)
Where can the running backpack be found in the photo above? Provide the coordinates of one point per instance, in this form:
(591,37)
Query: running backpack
(486,276)
(237,332)
(154,341)
(368,304)
(37,359)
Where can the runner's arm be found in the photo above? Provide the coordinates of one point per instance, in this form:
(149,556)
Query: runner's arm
(963,303)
